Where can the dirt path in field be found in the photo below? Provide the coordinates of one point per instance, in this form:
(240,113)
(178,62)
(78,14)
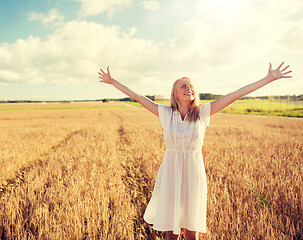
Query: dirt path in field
(135,179)
(18,179)
(42,160)
(293,102)
(129,105)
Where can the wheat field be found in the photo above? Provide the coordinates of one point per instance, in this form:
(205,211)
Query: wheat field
(89,174)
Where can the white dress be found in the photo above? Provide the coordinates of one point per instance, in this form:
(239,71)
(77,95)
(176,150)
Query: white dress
(179,196)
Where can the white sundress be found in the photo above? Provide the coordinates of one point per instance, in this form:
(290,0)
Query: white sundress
(179,196)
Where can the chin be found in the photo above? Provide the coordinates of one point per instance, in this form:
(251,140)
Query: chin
(188,99)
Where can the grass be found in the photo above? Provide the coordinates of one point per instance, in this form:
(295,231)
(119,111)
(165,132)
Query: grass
(59,106)
(255,107)
(63,108)
(251,107)
(265,107)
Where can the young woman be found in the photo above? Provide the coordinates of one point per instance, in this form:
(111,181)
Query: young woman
(179,195)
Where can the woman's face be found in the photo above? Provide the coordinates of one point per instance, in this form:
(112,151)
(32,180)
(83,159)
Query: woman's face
(185,90)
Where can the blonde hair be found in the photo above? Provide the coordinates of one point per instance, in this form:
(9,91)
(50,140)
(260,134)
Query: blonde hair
(193,113)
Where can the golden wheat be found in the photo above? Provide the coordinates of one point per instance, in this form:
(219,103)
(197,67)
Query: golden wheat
(89,174)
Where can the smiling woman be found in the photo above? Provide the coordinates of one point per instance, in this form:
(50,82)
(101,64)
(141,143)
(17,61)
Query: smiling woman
(183,91)
(179,197)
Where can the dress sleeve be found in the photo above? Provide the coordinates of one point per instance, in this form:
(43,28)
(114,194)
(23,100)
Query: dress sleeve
(164,114)
(205,113)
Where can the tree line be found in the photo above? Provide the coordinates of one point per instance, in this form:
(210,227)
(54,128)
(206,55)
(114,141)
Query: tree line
(203,96)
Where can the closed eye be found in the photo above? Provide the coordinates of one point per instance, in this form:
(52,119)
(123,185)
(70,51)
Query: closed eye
(191,86)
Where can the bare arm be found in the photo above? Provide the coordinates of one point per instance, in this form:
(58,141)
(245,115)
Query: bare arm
(224,101)
(144,101)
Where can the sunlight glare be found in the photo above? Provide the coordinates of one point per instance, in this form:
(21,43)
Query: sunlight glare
(220,8)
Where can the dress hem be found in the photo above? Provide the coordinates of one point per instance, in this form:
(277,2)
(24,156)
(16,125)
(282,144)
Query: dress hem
(171,229)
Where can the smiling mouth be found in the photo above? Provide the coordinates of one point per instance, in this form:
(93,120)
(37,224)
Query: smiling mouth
(188,94)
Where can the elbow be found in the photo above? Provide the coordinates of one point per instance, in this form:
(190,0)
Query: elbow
(137,97)
(236,95)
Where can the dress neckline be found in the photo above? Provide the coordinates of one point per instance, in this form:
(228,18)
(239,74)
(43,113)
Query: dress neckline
(176,112)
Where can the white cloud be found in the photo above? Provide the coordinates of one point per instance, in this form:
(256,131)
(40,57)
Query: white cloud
(52,19)
(219,52)
(95,7)
(152,5)
(74,53)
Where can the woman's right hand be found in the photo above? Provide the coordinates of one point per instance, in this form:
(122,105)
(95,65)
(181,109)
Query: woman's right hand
(144,101)
(105,77)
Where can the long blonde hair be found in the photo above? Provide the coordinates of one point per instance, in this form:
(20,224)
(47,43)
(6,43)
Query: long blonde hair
(193,113)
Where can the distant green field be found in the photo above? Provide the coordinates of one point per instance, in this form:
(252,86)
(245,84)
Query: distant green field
(63,108)
(256,107)
(265,107)
(58,106)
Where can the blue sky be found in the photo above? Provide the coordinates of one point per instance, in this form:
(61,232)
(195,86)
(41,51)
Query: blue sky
(52,50)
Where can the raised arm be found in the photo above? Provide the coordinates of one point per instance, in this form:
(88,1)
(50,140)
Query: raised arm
(224,101)
(144,101)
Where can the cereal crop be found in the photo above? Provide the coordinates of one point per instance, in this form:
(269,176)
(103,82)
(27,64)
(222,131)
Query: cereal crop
(89,172)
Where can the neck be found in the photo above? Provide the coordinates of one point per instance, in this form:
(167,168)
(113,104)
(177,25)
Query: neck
(183,107)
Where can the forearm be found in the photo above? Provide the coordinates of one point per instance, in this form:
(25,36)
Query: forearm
(223,102)
(272,75)
(144,101)
(250,88)
(125,89)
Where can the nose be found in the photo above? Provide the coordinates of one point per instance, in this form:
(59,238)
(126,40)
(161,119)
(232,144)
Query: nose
(188,88)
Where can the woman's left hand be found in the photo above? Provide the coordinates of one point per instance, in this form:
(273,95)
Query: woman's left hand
(276,74)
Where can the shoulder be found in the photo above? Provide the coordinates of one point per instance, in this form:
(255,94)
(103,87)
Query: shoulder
(204,106)
(164,114)
(164,108)
(205,113)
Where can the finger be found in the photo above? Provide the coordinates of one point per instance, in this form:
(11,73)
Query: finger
(285,68)
(287,72)
(287,77)
(108,70)
(269,67)
(280,65)
(102,71)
